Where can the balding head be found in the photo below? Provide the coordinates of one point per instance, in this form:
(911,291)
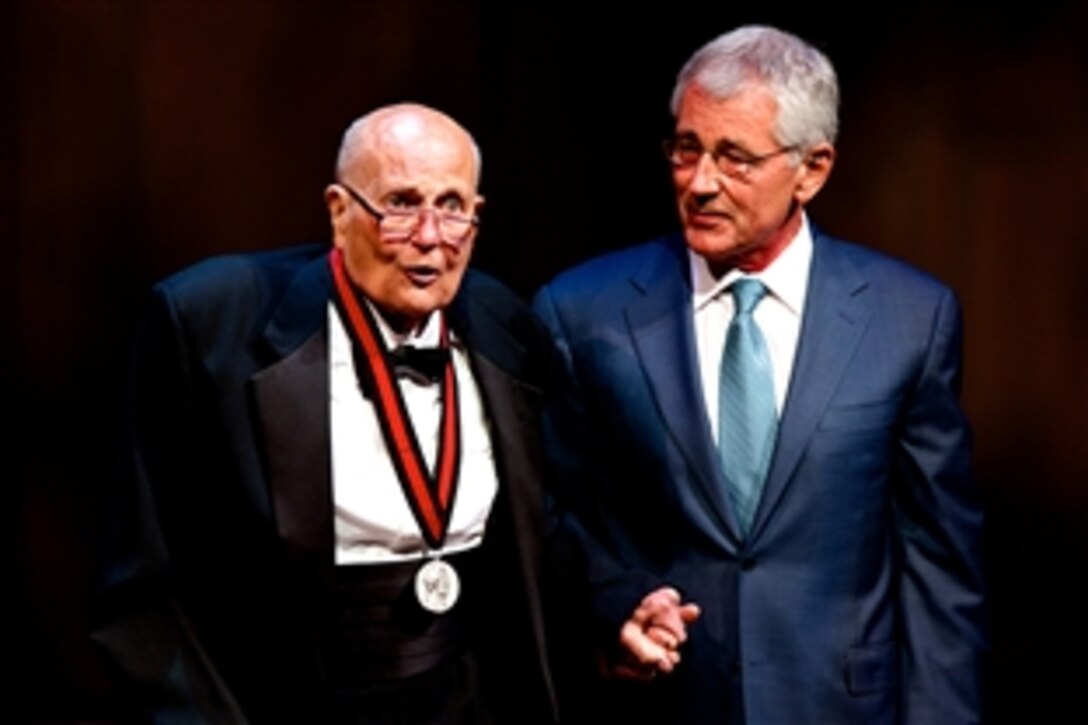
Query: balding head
(401,126)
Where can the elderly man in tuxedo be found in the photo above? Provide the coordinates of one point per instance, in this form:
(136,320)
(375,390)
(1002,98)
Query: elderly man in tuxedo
(329,505)
(767,512)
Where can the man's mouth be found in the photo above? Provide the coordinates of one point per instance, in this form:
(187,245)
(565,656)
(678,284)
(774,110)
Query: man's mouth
(706,217)
(421,275)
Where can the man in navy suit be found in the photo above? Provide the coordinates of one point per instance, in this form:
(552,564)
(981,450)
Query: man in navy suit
(312,524)
(765,507)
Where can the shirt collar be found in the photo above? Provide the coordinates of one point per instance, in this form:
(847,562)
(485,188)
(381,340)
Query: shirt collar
(426,335)
(786,277)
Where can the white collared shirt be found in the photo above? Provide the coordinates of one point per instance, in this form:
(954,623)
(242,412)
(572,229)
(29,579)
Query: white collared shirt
(778,315)
(372,518)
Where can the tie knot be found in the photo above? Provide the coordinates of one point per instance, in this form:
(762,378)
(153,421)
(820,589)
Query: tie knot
(424,364)
(747,293)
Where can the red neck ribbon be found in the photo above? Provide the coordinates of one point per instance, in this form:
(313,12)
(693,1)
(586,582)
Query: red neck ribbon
(430,496)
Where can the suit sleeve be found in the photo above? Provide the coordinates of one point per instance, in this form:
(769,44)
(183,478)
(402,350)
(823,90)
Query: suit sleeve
(159,668)
(599,591)
(939,523)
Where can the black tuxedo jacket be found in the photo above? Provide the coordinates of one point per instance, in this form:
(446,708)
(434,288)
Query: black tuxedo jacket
(221,545)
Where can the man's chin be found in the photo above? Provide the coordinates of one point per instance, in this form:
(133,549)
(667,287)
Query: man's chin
(712,245)
(406,315)
(428,303)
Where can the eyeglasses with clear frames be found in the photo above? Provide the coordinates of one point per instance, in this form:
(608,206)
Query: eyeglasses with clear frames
(398,225)
(685,152)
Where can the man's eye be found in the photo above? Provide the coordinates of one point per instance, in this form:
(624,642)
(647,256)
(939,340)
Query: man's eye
(689,148)
(400,201)
(735,155)
(451,204)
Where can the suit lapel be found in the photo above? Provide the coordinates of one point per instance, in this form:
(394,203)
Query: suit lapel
(659,320)
(292,400)
(835,316)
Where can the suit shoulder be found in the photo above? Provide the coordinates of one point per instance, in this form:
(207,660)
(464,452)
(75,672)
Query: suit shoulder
(608,273)
(889,274)
(499,324)
(235,273)
(487,290)
(231,294)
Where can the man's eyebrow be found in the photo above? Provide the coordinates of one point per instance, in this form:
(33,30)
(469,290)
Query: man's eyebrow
(451,194)
(685,134)
(727,144)
(407,192)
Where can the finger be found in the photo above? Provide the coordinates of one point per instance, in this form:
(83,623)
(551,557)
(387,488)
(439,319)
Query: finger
(672,621)
(675,621)
(672,661)
(669,663)
(690,612)
(662,597)
(663,608)
(639,647)
(662,636)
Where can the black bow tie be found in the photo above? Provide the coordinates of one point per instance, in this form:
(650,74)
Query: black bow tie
(422,364)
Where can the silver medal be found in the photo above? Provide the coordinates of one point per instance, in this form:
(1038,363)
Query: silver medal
(437,586)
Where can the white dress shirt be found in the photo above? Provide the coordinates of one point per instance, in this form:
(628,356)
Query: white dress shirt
(778,315)
(373,519)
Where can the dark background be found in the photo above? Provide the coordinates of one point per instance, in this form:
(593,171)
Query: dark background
(139,136)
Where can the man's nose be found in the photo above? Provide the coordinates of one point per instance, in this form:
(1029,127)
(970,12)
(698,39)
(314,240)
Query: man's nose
(428,235)
(706,178)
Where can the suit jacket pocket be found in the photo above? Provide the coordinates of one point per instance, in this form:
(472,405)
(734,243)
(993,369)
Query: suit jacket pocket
(871,668)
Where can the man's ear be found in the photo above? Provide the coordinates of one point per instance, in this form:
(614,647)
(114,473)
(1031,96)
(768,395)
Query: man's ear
(336,201)
(814,170)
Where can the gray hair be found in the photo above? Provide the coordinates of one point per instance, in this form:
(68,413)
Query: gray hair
(798,76)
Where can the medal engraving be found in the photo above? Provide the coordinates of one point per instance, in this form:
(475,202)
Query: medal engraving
(437,586)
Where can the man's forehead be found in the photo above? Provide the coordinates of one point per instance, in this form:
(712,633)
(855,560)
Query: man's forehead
(752,97)
(751,110)
(414,170)
(397,177)
(431,163)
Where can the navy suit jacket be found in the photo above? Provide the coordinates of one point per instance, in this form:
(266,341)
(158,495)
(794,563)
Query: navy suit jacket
(214,596)
(858,595)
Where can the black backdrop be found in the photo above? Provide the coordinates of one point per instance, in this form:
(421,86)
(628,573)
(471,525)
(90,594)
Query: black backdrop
(139,136)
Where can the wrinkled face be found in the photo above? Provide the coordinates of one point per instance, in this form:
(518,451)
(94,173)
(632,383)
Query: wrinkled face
(408,160)
(742,221)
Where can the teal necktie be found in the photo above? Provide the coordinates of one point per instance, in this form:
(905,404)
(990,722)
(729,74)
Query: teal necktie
(747,419)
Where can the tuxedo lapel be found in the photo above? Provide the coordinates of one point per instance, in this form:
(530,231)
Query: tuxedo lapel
(835,316)
(511,415)
(659,320)
(512,408)
(493,355)
(292,402)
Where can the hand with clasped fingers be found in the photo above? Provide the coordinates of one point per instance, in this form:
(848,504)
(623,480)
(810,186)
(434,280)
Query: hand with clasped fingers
(650,639)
